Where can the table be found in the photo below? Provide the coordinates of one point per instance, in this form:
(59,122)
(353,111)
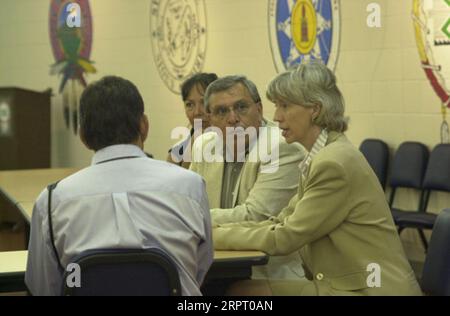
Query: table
(26,209)
(22,187)
(12,271)
(235,264)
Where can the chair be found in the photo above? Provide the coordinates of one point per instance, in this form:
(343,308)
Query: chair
(437,178)
(114,272)
(376,153)
(407,171)
(436,271)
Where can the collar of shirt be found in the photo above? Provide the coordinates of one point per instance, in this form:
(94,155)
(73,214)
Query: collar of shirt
(318,145)
(117,151)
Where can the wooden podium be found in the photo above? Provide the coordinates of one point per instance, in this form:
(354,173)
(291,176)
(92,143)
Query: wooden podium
(24,129)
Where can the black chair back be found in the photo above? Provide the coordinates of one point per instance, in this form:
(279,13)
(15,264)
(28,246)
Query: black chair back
(437,176)
(409,165)
(436,271)
(376,153)
(125,272)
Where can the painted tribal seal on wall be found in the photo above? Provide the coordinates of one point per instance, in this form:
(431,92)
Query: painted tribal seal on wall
(178,33)
(304,30)
(431,19)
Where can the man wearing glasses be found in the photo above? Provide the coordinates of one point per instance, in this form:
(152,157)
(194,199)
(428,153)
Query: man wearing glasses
(254,172)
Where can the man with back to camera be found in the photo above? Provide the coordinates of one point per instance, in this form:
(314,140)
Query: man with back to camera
(123,200)
(251,179)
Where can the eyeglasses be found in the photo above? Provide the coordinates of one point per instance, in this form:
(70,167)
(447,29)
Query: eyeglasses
(223,112)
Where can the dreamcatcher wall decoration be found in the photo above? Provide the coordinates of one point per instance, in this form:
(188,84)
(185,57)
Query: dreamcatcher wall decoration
(70,28)
(431,20)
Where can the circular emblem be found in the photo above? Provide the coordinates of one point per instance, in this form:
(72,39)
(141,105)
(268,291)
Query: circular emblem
(178,32)
(304,30)
(431,21)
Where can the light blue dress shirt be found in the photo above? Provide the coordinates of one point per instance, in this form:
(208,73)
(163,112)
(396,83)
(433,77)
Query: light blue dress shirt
(126,203)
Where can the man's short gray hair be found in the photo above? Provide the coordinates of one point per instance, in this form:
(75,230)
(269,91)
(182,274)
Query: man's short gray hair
(225,83)
(309,84)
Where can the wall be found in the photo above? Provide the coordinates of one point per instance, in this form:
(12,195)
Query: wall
(378,69)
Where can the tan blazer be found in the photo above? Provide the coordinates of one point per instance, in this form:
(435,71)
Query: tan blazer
(340,222)
(263,189)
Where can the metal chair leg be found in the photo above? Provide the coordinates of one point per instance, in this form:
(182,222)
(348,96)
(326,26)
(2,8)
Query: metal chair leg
(424,239)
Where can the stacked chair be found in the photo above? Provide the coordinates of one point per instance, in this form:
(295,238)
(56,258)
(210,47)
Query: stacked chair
(408,170)
(437,178)
(413,167)
(376,153)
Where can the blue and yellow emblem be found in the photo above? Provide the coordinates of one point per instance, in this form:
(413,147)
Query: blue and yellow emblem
(304,30)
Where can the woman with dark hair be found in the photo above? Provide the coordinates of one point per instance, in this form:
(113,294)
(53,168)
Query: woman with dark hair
(192,91)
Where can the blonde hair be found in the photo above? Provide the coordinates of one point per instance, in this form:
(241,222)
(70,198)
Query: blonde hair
(311,84)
